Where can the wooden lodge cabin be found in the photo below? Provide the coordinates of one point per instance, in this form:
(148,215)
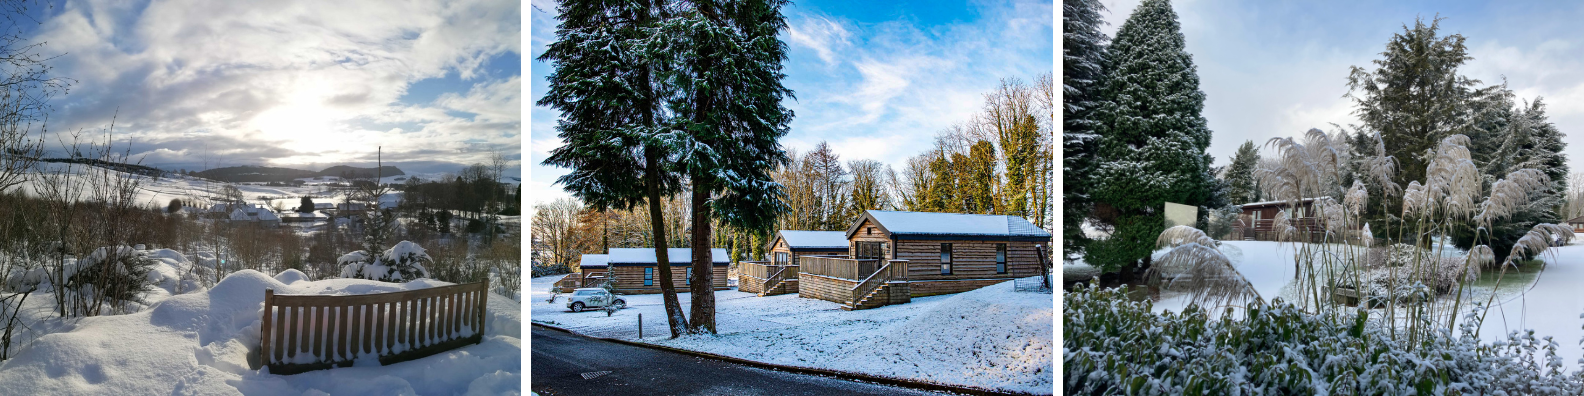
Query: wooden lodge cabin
(634,270)
(1257,223)
(1577,223)
(779,274)
(895,256)
(591,272)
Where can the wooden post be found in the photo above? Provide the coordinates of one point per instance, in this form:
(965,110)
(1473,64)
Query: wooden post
(640,326)
(264,338)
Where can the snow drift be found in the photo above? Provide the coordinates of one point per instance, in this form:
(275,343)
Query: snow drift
(205,343)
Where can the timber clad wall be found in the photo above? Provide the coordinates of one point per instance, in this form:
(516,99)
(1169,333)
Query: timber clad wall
(629,279)
(868,232)
(825,288)
(970,259)
(930,288)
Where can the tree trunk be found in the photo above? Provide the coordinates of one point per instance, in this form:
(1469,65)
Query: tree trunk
(703,312)
(674,318)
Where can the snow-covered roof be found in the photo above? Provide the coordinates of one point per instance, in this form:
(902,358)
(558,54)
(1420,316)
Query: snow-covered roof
(266,215)
(1277,203)
(798,239)
(931,223)
(1575,220)
(647,256)
(239,215)
(595,261)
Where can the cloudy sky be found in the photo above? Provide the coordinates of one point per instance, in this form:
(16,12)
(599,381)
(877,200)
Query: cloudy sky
(307,84)
(1272,69)
(877,80)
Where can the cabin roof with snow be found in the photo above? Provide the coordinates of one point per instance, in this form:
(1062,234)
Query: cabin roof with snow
(811,240)
(951,225)
(1275,204)
(646,256)
(594,261)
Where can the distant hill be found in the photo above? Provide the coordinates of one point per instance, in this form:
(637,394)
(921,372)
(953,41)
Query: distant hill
(257,174)
(348,171)
(128,168)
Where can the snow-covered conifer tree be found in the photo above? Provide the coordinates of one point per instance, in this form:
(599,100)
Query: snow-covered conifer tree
(1083,50)
(1151,136)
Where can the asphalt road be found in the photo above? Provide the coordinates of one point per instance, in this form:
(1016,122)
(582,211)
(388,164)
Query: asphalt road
(560,362)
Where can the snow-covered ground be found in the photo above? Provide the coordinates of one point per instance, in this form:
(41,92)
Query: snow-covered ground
(1549,303)
(991,338)
(201,341)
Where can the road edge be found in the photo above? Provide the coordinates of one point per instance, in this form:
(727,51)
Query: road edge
(848,375)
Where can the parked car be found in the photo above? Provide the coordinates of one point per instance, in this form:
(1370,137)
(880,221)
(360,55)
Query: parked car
(593,297)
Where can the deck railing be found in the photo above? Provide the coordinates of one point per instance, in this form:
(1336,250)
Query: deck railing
(782,273)
(839,267)
(311,332)
(567,283)
(755,269)
(888,271)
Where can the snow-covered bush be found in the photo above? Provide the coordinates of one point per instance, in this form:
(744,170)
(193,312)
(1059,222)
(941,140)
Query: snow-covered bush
(1112,345)
(404,262)
(1392,271)
(112,276)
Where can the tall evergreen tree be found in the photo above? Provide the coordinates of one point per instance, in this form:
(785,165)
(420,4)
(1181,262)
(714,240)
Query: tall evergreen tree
(723,81)
(1414,97)
(979,180)
(1151,135)
(1240,175)
(604,85)
(1083,52)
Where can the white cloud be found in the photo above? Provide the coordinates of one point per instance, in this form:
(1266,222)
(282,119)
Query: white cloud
(820,34)
(308,75)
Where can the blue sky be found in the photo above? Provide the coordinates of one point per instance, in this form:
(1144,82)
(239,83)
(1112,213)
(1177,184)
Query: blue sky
(308,84)
(877,80)
(1273,69)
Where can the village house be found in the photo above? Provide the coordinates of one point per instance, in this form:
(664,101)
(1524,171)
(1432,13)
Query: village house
(1577,223)
(778,275)
(893,256)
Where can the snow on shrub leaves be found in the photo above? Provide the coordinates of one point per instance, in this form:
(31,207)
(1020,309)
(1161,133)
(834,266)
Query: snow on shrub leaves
(1115,346)
(404,262)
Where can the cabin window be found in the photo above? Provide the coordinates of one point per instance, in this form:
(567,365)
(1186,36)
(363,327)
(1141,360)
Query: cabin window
(870,250)
(689,275)
(946,259)
(781,258)
(1000,258)
(648,276)
(869,231)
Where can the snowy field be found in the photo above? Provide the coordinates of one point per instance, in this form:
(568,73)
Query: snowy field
(1549,304)
(990,338)
(192,341)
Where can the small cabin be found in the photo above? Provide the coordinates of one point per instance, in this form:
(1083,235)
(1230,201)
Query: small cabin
(594,265)
(636,271)
(893,256)
(1577,223)
(1257,223)
(778,275)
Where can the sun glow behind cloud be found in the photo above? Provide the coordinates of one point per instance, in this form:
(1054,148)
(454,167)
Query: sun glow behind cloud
(293,83)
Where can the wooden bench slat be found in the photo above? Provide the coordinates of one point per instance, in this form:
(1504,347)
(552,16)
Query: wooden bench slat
(337,330)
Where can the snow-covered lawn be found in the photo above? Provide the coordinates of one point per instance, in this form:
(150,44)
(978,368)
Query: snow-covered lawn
(1550,305)
(202,342)
(990,338)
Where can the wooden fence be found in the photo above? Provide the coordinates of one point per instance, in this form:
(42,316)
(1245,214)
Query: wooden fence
(311,332)
(839,267)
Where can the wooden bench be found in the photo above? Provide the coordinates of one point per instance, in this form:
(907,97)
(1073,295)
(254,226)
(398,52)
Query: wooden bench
(311,332)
